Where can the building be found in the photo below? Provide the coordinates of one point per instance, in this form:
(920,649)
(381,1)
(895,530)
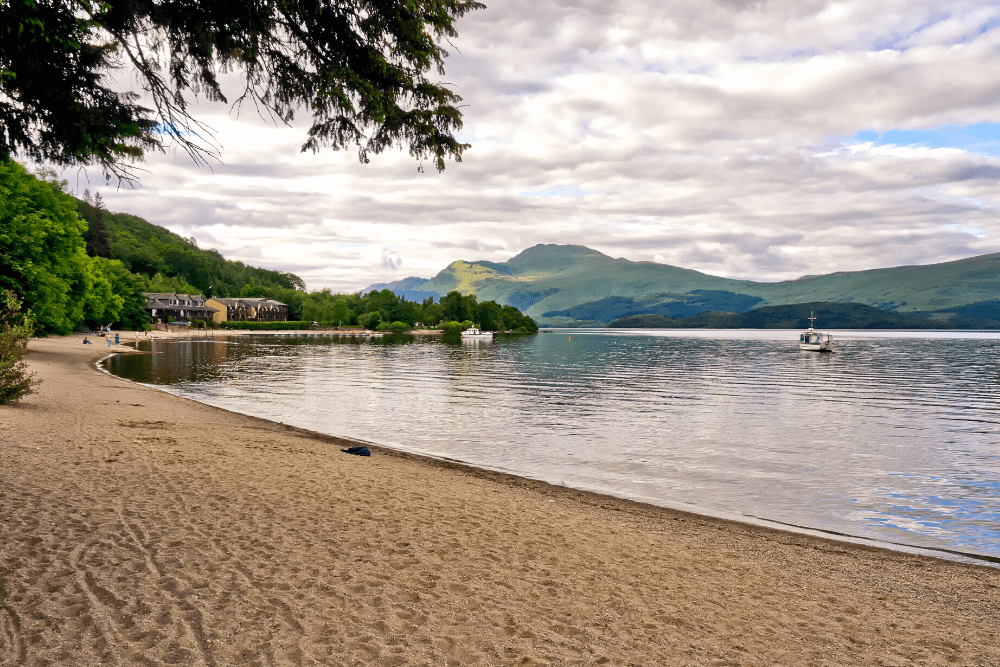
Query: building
(248,310)
(172,307)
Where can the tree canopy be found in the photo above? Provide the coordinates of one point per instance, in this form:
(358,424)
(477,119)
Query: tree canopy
(360,68)
(43,258)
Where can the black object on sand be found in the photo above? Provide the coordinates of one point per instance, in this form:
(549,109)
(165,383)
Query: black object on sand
(359,451)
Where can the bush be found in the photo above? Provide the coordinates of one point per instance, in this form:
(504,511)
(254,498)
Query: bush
(266,326)
(15,329)
(370,320)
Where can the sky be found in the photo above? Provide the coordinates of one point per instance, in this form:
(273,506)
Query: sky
(755,140)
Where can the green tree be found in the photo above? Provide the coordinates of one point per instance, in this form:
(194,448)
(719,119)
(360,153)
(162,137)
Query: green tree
(490,316)
(15,329)
(370,320)
(361,69)
(455,307)
(341,314)
(43,256)
(430,312)
(127,306)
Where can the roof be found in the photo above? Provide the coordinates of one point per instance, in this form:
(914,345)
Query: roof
(255,302)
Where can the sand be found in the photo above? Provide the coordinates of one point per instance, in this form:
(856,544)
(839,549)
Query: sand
(138,528)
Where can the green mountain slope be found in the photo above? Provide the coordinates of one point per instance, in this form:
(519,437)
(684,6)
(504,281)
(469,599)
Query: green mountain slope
(148,249)
(568,285)
(795,316)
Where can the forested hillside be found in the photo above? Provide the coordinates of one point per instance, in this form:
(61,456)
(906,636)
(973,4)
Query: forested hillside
(157,253)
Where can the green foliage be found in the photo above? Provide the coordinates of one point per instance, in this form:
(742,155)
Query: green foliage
(394,327)
(266,326)
(370,320)
(124,304)
(360,68)
(43,259)
(456,307)
(453,326)
(175,264)
(15,329)
(43,256)
(166,284)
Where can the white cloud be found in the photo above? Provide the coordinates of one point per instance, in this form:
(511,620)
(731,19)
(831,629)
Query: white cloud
(710,135)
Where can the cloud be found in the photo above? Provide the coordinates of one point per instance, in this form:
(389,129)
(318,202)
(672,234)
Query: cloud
(752,139)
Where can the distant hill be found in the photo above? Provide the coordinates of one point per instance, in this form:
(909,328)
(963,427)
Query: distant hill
(404,288)
(571,285)
(828,316)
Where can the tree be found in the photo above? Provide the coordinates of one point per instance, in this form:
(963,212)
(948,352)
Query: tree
(370,320)
(123,303)
(15,328)
(43,256)
(98,240)
(455,307)
(340,313)
(360,68)
(490,316)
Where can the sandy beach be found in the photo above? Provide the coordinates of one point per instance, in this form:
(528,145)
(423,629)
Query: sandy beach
(139,528)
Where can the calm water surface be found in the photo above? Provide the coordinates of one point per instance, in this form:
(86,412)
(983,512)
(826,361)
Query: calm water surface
(893,437)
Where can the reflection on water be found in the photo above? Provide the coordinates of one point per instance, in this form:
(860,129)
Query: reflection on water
(890,438)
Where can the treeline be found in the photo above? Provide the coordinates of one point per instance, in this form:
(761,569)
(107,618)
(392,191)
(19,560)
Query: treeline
(829,315)
(73,262)
(379,309)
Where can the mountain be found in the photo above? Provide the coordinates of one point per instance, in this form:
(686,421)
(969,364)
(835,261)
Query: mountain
(406,288)
(571,285)
(794,316)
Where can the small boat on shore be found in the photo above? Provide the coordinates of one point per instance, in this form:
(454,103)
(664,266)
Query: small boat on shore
(474,333)
(811,340)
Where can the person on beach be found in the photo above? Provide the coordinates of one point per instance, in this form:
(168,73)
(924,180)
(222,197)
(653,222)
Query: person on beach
(116,339)
(86,342)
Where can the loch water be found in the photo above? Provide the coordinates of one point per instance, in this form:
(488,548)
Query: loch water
(893,437)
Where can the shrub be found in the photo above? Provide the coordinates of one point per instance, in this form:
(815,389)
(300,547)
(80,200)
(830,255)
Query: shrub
(15,329)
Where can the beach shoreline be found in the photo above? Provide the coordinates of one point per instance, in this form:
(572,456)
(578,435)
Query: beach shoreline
(141,526)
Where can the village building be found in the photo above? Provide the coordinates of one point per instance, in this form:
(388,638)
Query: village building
(172,307)
(248,310)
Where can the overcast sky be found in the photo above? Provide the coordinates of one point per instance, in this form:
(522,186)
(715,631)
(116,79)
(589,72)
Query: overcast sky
(760,140)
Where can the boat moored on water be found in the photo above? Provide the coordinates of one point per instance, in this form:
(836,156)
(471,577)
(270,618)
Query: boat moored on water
(811,340)
(474,333)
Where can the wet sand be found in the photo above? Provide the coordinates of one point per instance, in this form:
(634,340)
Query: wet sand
(139,528)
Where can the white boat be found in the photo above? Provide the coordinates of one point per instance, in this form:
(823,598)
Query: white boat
(473,332)
(811,340)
